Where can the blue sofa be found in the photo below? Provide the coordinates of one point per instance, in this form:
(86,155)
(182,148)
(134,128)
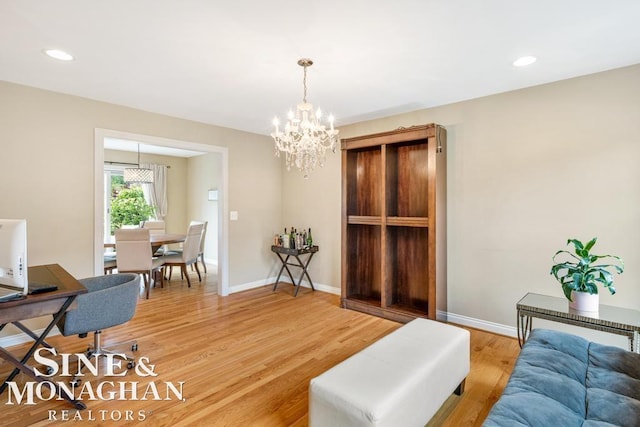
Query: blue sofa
(563,380)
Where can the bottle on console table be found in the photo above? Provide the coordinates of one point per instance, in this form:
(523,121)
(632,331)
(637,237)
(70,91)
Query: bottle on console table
(309,238)
(285,239)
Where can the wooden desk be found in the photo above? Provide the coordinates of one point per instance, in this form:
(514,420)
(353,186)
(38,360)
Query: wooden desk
(157,240)
(54,303)
(279,251)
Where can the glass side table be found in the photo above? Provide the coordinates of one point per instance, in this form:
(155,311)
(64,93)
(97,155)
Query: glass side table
(615,320)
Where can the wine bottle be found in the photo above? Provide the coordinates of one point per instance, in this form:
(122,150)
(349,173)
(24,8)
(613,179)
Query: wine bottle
(309,238)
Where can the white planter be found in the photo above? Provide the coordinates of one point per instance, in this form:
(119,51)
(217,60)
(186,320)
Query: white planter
(584,301)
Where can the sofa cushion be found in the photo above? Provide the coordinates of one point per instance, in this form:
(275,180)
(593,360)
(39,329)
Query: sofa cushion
(562,379)
(613,383)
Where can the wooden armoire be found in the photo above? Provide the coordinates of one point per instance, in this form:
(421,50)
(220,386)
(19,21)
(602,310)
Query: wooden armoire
(394,223)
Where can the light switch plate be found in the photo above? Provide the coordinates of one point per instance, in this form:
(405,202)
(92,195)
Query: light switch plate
(233,215)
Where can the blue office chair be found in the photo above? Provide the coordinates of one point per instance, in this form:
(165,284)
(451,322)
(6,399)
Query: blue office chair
(111,301)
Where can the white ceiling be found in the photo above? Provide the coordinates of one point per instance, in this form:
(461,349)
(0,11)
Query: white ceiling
(233,63)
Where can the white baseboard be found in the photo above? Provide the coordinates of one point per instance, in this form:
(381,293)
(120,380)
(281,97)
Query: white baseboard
(21,338)
(250,285)
(484,325)
(211,261)
(444,316)
(317,286)
(459,319)
(270,280)
(326,288)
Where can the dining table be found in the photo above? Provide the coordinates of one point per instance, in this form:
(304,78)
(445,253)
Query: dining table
(156,240)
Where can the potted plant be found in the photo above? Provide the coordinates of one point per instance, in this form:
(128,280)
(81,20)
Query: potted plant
(580,272)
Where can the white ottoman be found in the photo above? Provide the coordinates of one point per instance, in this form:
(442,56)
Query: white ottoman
(400,380)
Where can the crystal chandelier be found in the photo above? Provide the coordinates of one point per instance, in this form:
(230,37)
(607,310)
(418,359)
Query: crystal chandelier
(304,139)
(138,175)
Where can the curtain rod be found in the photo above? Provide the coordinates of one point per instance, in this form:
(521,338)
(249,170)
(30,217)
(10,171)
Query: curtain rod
(125,163)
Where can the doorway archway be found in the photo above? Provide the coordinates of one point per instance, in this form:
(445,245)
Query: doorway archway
(223,225)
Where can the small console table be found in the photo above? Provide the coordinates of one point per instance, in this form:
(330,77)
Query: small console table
(295,253)
(615,320)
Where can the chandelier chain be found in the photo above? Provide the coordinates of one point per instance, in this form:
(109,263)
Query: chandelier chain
(304,84)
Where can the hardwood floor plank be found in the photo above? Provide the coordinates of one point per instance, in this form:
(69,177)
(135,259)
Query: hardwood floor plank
(247,359)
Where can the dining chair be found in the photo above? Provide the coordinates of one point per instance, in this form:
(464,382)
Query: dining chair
(188,255)
(109,260)
(200,247)
(133,255)
(202,240)
(155,227)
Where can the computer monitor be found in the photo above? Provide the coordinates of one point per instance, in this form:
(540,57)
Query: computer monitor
(13,254)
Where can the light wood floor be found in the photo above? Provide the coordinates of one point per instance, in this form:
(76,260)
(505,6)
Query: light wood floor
(246,360)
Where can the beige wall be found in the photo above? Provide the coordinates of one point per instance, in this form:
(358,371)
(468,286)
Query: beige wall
(315,202)
(526,170)
(204,175)
(47,176)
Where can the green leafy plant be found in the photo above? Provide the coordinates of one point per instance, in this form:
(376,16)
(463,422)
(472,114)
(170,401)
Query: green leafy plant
(129,208)
(581,272)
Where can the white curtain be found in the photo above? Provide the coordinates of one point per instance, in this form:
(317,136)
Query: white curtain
(156,192)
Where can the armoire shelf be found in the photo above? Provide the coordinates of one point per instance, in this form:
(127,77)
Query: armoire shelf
(393,223)
(364,220)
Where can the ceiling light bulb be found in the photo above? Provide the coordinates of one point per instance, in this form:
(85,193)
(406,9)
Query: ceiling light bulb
(59,54)
(524,61)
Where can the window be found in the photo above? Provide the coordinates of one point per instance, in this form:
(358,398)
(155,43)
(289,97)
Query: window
(124,204)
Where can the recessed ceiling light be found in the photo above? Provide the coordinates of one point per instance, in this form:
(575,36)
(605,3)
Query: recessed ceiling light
(59,54)
(524,61)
